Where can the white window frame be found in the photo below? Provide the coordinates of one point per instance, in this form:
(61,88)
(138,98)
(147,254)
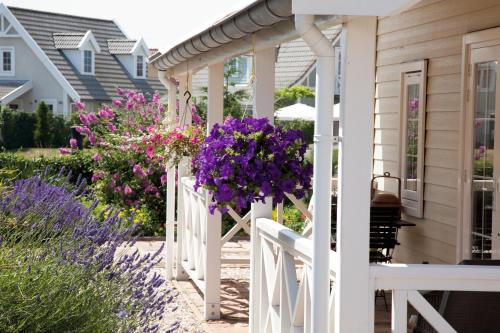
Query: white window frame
(10,49)
(92,59)
(50,101)
(410,74)
(143,76)
(247,75)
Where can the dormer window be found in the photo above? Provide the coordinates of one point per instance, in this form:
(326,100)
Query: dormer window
(132,54)
(79,48)
(7,61)
(139,63)
(88,62)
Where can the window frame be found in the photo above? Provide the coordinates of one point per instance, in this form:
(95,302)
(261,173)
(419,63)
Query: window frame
(50,101)
(246,76)
(136,68)
(92,64)
(411,74)
(10,49)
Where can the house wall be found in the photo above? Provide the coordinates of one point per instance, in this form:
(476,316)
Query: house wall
(29,67)
(432,30)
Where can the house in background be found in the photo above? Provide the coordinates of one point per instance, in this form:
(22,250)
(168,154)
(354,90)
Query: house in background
(59,59)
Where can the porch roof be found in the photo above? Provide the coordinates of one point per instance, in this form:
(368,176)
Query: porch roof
(270,21)
(12,89)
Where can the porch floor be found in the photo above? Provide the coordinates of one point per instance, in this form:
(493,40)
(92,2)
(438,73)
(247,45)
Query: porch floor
(234,296)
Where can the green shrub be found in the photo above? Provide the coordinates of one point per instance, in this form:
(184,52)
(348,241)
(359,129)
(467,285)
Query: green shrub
(42,125)
(16,129)
(304,125)
(59,132)
(78,164)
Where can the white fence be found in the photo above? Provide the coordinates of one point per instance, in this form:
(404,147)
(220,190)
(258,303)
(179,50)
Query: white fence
(406,282)
(282,298)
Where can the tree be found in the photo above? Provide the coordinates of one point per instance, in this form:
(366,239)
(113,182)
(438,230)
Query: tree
(42,125)
(291,95)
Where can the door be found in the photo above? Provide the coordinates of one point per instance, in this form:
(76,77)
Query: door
(483,155)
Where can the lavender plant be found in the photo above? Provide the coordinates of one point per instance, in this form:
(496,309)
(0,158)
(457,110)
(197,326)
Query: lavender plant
(246,160)
(64,270)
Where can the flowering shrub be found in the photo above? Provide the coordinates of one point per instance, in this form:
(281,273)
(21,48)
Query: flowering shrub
(62,269)
(128,140)
(183,141)
(246,160)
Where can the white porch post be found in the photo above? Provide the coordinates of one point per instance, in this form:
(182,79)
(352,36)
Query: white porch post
(353,299)
(213,224)
(263,107)
(170,204)
(182,171)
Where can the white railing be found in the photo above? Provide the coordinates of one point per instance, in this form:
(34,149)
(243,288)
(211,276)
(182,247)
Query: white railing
(282,298)
(406,282)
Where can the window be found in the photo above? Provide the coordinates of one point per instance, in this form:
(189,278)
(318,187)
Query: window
(413,91)
(14,106)
(139,66)
(88,61)
(51,104)
(7,61)
(240,70)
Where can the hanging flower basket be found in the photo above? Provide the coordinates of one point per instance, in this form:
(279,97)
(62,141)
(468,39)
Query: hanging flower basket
(183,141)
(246,160)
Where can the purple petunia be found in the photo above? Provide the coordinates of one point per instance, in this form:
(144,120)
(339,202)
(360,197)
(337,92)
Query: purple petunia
(246,160)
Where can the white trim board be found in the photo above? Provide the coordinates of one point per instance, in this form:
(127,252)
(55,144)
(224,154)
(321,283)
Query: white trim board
(39,52)
(18,92)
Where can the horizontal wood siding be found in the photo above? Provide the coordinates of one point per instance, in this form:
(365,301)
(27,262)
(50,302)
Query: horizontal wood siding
(432,30)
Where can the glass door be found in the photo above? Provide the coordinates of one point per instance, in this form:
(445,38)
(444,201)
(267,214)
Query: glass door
(485,168)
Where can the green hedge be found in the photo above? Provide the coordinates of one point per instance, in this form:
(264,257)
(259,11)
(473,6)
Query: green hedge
(17,130)
(79,164)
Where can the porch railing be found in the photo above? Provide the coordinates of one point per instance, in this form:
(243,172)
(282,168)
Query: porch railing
(282,290)
(406,282)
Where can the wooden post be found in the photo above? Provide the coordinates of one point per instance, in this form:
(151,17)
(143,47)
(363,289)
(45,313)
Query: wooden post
(182,171)
(263,107)
(170,204)
(213,223)
(170,199)
(353,305)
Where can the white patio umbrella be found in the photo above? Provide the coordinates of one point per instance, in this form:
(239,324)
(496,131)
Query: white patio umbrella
(302,112)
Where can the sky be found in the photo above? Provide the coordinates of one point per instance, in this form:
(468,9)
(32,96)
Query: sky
(162,23)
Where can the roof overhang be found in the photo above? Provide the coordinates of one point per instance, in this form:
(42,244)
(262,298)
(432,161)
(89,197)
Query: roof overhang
(352,7)
(268,22)
(140,47)
(89,37)
(16,92)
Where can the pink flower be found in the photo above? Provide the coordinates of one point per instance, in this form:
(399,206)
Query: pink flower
(156,98)
(98,175)
(151,129)
(96,157)
(120,91)
(140,98)
(163,179)
(92,118)
(80,105)
(84,119)
(111,127)
(118,189)
(92,139)
(64,151)
(117,103)
(131,94)
(73,143)
(150,151)
(194,140)
(129,105)
(127,190)
(138,171)
(115,176)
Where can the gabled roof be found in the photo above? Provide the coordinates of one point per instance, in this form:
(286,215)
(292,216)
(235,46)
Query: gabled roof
(10,90)
(67,40)
(121,46)
(295,59)
(109,73)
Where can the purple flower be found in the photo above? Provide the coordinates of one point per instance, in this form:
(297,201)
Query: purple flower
(80,105)
(246,160)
